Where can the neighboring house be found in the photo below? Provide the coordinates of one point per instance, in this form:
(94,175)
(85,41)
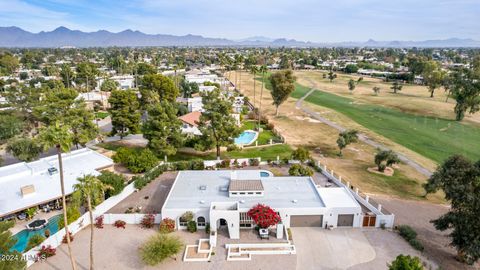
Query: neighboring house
(93,97)
(124,82)
(195,104)
(206,89)
(222,199)
(190,123)
(25,185)
(237,104)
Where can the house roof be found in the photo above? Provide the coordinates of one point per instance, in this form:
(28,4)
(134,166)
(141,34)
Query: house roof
(191,118)
(198,189)
(245,185)
(40,186)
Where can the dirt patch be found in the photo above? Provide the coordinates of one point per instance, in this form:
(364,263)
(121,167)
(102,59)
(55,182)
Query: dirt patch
(150,198)
(418,215)
(387,172)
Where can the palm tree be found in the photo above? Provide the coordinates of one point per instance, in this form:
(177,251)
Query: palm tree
(263,70)
(90,191)
(254,70)
(61,138)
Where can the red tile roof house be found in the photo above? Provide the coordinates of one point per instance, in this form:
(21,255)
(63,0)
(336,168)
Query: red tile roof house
(190,123)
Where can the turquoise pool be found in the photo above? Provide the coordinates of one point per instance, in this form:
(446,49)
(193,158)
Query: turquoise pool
(246,137)
(23,236)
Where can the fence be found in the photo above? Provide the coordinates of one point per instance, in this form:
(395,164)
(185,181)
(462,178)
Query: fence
(56,239)
(384,218)
(128,218)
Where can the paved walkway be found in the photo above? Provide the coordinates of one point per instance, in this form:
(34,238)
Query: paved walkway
(361,137)
(318,248)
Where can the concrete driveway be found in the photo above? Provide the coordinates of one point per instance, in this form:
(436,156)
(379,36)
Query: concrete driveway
(318,248)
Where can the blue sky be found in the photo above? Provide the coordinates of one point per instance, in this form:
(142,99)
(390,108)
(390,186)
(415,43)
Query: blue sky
(319,21)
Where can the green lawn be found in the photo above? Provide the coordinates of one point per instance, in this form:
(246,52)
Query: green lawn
(268,152)
(101,115)
(264,136)
(435,138)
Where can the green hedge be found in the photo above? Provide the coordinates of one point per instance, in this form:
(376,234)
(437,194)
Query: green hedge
(410,235)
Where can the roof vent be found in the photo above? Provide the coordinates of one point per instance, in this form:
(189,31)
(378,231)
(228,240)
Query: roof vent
(203,187)
(223,188)
(202,202)
(52,170)
(242,201)
(295,201)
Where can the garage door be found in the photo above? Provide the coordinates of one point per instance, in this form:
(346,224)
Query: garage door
(306,221)
(345,220)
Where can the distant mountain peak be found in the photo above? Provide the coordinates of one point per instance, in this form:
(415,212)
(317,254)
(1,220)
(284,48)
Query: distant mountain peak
(13,36)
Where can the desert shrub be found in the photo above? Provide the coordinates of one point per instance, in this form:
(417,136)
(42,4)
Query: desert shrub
(302,154)
(73,213)
(299,170)
(407,232)
(403,262)
(253,162)
(116,181)
(160,247)
(416,244)
(192,226)
(46,233)
(147,221)
(187,216)
(64,239)
(232,147)
(270,126)
(289,232)
(167,225)
(224,164)
(236,164)
(197,164)
(136,161)
(99,222)
(182,165)
(207,228)
(46,251)
(143,180)
(120,224)
(34,241)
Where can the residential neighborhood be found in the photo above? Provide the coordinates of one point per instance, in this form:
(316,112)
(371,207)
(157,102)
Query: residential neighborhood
(160,148)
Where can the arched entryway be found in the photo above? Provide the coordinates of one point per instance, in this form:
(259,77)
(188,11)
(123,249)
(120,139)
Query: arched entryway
(201,222)
(222,227)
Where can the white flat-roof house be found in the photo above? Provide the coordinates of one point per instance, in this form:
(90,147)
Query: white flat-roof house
(24,185)
(223,198)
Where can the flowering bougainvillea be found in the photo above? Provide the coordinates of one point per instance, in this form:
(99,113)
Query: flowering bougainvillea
(99,222)
(167,225)
(119,224)
(264,216)
(147,221)
(46,251)
(64,240)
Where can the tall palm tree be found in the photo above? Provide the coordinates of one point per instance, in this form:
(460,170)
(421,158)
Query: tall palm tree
(61,138)
(263,70)
(254,70)
(90,191)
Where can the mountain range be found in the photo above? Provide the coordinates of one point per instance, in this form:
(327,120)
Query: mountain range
(63,37)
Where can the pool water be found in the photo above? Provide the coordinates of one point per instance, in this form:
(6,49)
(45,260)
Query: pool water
(245,137)
(23,236)
(264,174)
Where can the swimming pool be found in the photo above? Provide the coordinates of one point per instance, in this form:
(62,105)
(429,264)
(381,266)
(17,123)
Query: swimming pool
(247,137)
(23,236)
(265,174)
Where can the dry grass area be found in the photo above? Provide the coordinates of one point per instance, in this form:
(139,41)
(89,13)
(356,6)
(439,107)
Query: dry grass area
(301,130)
(412,98)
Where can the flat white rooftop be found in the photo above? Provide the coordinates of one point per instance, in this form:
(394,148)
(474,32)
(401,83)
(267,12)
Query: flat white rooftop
(337,197)
(198,189)
(47,187)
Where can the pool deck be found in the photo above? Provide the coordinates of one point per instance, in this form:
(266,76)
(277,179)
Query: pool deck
(22,224)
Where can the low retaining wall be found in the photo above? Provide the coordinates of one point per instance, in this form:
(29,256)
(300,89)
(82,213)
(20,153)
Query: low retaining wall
(55,240)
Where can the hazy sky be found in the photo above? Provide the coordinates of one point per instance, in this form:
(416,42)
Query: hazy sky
(334,20)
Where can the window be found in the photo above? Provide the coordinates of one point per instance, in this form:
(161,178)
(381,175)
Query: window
(201,221)
(250,193)
(234,193)
(259,193)
(242,193)
(182,222)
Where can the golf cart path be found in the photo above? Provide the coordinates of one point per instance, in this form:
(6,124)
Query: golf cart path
(361,137)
